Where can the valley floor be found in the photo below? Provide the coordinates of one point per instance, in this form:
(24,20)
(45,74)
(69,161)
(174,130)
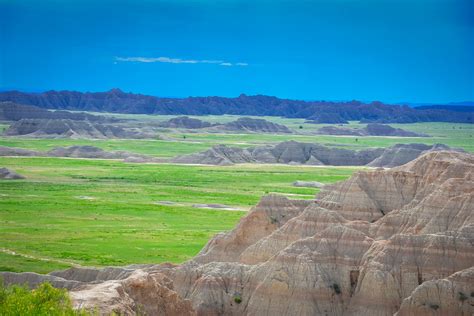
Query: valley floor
(101,212)
(92,212)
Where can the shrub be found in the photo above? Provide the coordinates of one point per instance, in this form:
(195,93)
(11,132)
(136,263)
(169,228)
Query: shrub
(462,296)
(237,298)
(336,288)
(45,300)
(434,306)
(273,220)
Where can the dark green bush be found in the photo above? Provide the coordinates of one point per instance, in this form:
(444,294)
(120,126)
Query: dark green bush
(237,298)
(336,288)
(434,306)
(462,296)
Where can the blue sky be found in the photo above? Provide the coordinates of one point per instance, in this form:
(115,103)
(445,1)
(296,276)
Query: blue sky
(388,50)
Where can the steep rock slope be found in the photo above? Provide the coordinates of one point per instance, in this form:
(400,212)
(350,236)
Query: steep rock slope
(400,154)
(383,242)
(292,152)
(330,259)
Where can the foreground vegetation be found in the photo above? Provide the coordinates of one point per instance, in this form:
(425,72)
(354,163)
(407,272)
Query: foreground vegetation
(99,212)
(43,301)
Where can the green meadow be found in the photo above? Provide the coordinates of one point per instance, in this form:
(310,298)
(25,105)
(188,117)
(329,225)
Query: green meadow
(99,213)
(103,212)
(179,142)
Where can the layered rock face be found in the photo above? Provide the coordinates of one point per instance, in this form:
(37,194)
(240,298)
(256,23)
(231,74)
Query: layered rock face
(289,152)
(70,129)
(247,124)
(185,122)
(292,152)
(383,242)
(370,130)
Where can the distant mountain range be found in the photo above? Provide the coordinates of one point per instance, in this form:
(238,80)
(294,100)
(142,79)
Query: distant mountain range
(118,101)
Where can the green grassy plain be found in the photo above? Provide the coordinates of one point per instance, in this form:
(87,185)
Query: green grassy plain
(98,212)
(181,142)
(104,212)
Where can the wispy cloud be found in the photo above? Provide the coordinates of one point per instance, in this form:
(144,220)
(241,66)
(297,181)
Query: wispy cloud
(170,60)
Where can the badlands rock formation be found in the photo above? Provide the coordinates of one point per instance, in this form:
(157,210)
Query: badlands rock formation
(90,152)
(386,130)
(247,124)
(118,101)
(9,174)
(293,152)
(400,154)
(59,128)
(289,152)
(98,153)
(369,130)
(327,118)
(14,151)
(384,242)
(10,111)
(185,122)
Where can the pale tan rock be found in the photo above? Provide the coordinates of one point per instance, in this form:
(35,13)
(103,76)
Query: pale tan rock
(450,296)
(270,214)
(139,294)
(311,221)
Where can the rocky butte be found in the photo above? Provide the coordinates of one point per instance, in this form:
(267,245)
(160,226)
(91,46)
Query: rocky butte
(384,242)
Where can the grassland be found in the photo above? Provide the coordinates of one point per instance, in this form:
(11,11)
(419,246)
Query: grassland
(97,212)
(179,142)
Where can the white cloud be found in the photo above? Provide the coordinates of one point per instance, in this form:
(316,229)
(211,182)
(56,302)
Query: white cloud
(176,61)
